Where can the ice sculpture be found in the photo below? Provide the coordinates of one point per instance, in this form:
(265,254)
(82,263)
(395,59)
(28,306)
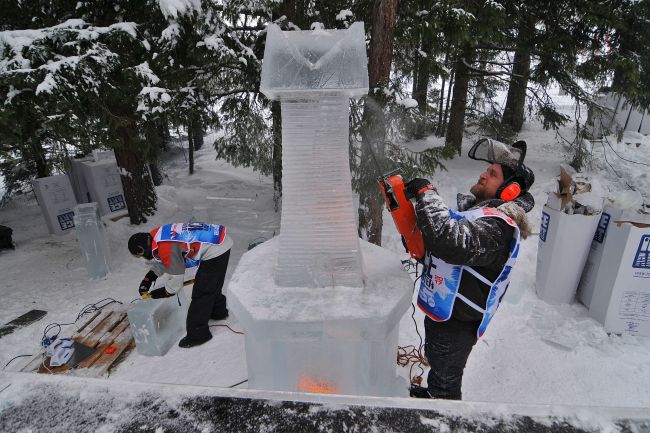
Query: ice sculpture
(320,308)
(92,239)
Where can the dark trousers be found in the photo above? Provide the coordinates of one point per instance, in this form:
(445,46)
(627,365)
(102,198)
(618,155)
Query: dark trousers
(447,347)
(207,299)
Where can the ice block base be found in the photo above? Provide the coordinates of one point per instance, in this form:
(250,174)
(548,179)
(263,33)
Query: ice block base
(339,340)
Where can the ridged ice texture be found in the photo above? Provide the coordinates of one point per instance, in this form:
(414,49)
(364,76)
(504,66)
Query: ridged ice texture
(319,244)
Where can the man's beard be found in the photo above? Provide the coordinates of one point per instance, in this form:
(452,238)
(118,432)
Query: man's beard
(479,192)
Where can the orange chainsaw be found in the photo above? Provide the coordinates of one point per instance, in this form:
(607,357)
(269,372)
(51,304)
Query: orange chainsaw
(402,211)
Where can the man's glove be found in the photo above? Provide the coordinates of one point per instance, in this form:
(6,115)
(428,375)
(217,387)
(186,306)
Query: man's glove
(160,293)
(415,186)
(146,283)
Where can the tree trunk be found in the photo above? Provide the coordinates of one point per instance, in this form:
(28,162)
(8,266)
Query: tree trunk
(276,114)
(156,174)
(374,125)
(443,125)
(513,113)
(139,193)
(441,102)
(197,134)
(166,136)
(424,75)
(190,145)
(456,127)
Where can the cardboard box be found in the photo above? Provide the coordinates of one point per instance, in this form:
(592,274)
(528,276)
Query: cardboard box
(56,200)
(564,242)
(105,186)
(78,180)
(595,256)
(621,295)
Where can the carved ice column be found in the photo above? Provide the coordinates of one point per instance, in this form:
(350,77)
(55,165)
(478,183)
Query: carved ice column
(314,74)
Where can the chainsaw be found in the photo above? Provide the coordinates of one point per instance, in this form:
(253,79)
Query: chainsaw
(402,211)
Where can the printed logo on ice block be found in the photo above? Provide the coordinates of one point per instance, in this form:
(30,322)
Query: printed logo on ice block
(66,220)
(599,236)
(642,256)
(543,230)
(116,203)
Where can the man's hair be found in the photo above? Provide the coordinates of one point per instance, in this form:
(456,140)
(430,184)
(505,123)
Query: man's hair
(140,244)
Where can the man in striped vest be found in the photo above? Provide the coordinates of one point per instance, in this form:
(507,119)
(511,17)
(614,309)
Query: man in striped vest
(470,253)
(172,248)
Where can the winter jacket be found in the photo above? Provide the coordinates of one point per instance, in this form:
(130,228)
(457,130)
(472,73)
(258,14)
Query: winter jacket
(482,243)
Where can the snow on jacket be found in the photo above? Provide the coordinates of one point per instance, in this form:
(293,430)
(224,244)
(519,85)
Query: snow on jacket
(482,244)
(172,256)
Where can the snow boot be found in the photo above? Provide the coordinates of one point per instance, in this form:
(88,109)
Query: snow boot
(418,391)
(187,342)
(220,316)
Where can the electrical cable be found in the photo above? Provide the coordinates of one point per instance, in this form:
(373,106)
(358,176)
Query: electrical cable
(624,159)
(410,355)
(238,383)
(236,332)
(15,357)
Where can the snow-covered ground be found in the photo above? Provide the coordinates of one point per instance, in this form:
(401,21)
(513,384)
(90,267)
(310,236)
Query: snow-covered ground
(533,353)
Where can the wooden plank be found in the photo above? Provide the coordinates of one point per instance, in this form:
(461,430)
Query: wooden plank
(33,363)
(122,343)
(106,340)
(87,322)
(106,326)
(19,322)
(88,328)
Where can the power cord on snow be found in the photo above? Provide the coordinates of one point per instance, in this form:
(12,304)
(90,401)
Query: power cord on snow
(236,332)
(238,383)
(15,357)
(410,355)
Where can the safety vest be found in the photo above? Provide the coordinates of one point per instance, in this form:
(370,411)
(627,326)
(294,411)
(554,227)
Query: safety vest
(192,235)
(441,280)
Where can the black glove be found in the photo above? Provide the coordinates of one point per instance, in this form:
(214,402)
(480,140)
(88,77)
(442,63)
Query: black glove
(415,185)
(146,283)
(160,293)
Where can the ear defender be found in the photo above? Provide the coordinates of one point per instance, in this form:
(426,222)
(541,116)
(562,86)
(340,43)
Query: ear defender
(510,191)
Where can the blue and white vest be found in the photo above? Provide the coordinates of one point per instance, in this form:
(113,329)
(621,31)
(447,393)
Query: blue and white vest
(192,235)
(441,280)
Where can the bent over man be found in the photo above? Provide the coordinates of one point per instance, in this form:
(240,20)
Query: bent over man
(172,248)
(470,253)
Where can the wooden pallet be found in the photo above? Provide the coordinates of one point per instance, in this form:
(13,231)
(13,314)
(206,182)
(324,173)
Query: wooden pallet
(105,329)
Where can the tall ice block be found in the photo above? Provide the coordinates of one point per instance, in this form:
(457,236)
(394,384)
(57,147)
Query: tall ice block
(92,239)
(157,324)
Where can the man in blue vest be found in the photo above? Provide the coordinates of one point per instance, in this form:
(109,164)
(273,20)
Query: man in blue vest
(172,248)
(469,255)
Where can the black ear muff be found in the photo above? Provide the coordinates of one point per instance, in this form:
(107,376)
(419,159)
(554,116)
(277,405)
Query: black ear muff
(509,191)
